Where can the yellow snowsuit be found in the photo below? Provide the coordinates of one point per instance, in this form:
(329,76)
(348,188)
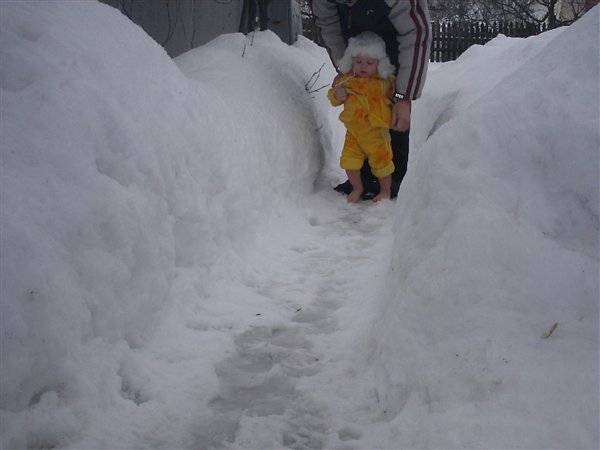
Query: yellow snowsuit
(367,116)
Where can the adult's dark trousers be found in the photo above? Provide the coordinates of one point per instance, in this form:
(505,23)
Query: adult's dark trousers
(400,155)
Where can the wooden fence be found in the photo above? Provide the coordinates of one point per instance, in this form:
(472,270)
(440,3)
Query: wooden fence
(451,39)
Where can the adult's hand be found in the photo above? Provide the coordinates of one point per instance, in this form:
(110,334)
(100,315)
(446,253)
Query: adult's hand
(401,115)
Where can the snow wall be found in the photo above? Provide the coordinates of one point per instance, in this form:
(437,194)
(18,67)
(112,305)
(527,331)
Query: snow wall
(118,173)
(496,241)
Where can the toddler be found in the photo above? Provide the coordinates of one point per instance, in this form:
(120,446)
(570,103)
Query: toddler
(365,88)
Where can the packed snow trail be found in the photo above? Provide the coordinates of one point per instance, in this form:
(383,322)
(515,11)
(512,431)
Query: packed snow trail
(290,386)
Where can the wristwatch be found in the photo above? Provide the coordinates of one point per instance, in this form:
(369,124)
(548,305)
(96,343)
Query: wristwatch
(398,96)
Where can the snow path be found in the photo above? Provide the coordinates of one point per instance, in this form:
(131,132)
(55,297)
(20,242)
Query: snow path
(274,390)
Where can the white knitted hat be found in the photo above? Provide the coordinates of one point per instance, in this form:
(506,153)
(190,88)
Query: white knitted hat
(370,45)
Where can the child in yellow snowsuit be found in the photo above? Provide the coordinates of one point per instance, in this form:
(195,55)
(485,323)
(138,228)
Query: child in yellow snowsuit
(365,88)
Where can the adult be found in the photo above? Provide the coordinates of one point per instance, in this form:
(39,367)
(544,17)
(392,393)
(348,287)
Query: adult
(405,28)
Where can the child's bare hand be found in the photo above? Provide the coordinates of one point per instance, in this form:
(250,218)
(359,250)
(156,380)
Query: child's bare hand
(340,94)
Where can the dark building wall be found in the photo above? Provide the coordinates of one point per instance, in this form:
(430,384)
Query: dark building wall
(285,20)
(180,25)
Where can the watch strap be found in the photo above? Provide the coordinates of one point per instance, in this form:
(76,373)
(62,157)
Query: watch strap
(399,96)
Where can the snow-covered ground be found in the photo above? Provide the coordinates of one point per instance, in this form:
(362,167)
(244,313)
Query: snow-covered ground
(176,271)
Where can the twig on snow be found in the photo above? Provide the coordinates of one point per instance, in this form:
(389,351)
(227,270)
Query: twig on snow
(310,84)
(549,333)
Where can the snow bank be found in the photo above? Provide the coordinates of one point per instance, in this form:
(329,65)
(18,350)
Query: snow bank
(496,241)
(119,172)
